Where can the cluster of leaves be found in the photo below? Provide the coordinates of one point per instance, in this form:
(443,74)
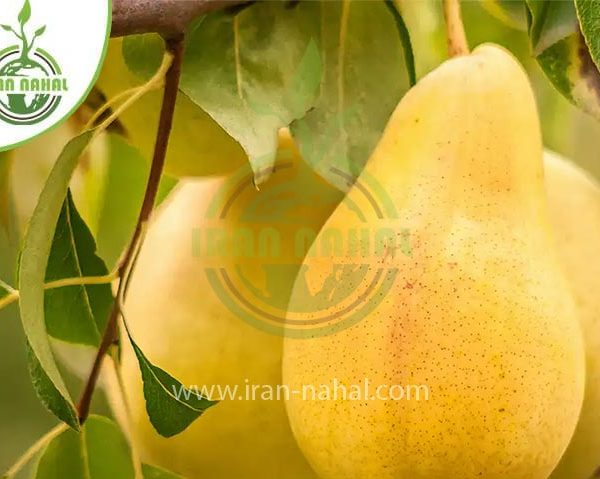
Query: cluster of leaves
(59,246)
(306,65)
(565,39)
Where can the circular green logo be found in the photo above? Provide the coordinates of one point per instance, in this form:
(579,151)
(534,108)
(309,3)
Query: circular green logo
(259,247)
(31,86)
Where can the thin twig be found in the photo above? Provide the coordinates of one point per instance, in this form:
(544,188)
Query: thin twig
(455,29)
(61,283)
(82,281)
(175,48)
(33,450)
(117,98)
(6,286)
(9,299)
(157,81)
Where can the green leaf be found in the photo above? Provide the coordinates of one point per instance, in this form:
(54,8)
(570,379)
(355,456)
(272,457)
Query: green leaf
(25,13)
(143,54)
(588,12)
(171,407)
(365,77)
(8,28)
(32,273)
(262,71)
(551,21)
(47,392)
(153,472)
(255,72)
(99,451)
(75,314)
(512,12)
(122,197)
(572,71)
(40,31)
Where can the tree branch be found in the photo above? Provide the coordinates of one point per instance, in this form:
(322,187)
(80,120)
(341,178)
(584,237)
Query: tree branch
(169,18)
(175,46)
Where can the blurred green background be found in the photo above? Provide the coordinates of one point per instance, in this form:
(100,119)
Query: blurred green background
(565,130)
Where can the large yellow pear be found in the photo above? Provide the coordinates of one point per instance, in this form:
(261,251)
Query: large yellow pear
(476,312)
(198,146)
(182,324)
(574,200)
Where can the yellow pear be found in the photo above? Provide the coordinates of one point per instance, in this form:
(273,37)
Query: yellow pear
(476,313)
(182,324)
(574,201)
(198,146)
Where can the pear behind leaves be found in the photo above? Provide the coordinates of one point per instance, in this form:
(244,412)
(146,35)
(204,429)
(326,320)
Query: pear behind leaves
(574,201)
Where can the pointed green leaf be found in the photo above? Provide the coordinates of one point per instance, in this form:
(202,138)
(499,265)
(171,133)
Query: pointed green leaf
(588,12)
(8,28)
(49,395)
(40,31)
(25,13)
(63,457)
(572,71)
(261,72)
(365,77)
(153,472)
(34,259)
(171,407)
(551,21)
(75,314)
(99,451)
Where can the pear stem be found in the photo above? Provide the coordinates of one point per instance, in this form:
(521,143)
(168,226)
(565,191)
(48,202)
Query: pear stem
(455,29)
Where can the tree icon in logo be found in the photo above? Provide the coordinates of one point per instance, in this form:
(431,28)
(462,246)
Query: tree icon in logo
(30,82)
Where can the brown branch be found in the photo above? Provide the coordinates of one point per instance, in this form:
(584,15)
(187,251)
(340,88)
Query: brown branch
(176,47)
(169,18)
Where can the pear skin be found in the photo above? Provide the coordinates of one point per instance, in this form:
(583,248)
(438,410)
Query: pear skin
(184,327)
(479,312)
(574,201)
